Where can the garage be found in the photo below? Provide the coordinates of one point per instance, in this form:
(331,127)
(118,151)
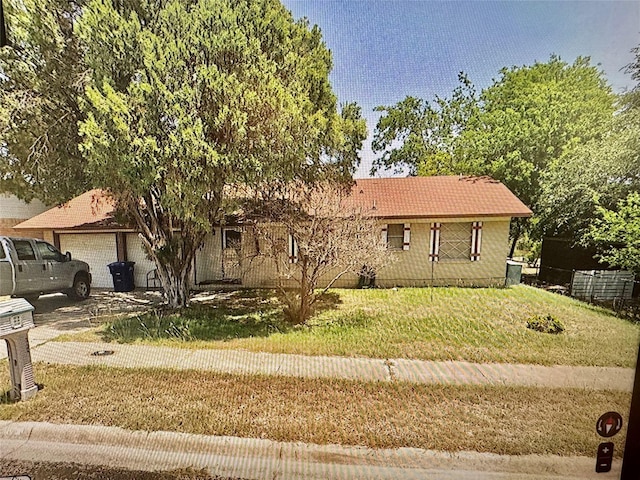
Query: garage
(97,249)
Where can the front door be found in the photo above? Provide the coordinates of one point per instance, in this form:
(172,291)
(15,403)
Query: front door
(231,251)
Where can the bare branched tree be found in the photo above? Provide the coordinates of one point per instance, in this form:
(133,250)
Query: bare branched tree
(313,235)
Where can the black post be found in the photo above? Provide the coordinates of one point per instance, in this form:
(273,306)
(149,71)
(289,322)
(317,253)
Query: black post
(3,28)
(631,460)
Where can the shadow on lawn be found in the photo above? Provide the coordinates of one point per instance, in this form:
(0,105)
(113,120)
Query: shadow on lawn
(217,316)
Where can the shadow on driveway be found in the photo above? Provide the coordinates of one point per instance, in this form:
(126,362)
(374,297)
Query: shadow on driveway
(65,313)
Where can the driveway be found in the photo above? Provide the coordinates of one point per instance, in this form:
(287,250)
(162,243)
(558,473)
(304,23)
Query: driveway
(57,314)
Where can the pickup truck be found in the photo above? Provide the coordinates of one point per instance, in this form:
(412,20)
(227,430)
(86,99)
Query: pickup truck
(31,267)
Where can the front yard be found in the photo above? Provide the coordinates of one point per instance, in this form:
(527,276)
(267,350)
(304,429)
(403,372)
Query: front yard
(502,420)
(476,325)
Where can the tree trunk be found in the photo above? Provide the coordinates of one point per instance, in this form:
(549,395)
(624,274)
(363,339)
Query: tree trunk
(175,286)
(516,232)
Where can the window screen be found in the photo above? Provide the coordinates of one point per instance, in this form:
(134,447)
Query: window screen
(395,236)
(455,241)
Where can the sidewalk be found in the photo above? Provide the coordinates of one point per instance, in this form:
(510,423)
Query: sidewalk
(250,458)
(386,370)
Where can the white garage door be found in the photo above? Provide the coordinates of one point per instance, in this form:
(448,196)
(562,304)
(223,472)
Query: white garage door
(97,249)
(143,265)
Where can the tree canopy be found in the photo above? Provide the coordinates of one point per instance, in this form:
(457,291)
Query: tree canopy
(617,234)
(168,105)
(41,77)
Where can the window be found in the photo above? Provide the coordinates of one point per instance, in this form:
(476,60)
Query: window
(48,252)
(24,250)
(455,241)
(293,249)
(232,239)
(395,236)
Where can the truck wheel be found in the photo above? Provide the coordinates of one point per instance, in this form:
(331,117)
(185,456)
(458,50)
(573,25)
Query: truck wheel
(81,288)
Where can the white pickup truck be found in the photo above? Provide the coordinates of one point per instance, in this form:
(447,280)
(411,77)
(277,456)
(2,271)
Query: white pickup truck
(31,267)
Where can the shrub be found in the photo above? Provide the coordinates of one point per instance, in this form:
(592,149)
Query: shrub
(545,324)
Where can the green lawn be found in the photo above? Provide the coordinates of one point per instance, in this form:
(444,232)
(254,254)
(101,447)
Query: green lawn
(477,325)
(502,420)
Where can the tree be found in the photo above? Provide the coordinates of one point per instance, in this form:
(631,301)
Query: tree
(599,173)
(188,99)
(313,235)
(530,117)
(617,234)
(420,135)
(41,76)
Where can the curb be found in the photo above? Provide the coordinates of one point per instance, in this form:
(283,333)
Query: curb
(252,458)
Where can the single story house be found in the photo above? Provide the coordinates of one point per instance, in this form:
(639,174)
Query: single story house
(446,230)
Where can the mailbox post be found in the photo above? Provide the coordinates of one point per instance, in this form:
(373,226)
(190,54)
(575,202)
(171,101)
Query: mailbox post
(16,318)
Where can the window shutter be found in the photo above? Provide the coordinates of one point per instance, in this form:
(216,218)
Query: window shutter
(293,250)
(407,236)
(384,235)
(476,240)
(434,244)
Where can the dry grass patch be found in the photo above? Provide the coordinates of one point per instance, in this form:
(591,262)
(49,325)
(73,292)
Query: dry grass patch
(477,325)
(504,420)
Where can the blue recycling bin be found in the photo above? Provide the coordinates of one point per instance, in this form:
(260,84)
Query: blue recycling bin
(122,274)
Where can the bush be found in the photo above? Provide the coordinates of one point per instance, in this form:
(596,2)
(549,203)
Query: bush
(545,324)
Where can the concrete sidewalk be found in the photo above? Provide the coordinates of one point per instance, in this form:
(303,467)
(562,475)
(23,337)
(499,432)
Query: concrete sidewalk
(250,458)
(386,370)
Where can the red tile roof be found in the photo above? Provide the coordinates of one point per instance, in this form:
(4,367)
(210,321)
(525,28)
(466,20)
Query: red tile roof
(93,208)
(408,197)
(437,197)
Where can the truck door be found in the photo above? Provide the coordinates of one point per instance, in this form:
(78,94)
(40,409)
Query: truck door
(30,271)
(6,270)
(57,272)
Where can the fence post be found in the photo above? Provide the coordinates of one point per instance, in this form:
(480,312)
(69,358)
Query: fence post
(573,274)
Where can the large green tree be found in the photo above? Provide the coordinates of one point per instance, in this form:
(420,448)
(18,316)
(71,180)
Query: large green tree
(598,173)
(188,98)
(530,117)
(41,77)
(593,194)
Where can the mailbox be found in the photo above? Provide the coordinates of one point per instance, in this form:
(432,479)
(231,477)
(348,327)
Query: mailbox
(16,318)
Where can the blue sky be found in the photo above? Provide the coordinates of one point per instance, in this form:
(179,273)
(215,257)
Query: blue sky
(386,50)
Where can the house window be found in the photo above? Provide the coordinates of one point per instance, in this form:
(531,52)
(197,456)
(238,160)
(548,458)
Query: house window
(232,239)
(455,241)
(395,236)
(293,249)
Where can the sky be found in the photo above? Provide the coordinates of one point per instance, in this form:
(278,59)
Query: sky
(386,50)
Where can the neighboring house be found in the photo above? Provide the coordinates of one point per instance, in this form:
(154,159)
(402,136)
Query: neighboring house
(14,211)
(446,231)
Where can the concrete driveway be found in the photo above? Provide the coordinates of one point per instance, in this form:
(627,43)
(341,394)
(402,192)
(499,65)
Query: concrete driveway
(57,314)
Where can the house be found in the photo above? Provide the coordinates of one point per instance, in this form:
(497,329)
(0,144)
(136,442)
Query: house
(446,230)
(14,211)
